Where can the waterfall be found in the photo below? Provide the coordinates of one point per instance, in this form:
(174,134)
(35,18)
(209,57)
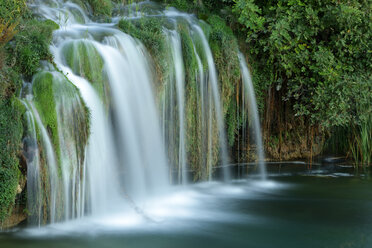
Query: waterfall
(51,162)
(34,187)
(175,42)
(113,132)
(217,101)
(249,94)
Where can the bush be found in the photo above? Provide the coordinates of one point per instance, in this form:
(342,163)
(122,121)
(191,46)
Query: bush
(10,140)
(309,47)
(11,12)
(32,45)
(101,7)
(225,53)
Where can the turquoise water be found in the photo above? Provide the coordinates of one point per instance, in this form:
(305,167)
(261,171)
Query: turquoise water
(299,206)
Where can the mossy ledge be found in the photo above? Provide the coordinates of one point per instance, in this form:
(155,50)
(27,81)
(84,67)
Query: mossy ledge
(83,58)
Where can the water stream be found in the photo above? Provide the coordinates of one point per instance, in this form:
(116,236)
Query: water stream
(140,134)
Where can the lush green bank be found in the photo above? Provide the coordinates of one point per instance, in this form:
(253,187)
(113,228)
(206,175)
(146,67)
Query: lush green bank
(311,67)
(24,41)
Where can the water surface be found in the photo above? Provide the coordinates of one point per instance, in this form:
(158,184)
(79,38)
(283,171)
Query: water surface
(296,207)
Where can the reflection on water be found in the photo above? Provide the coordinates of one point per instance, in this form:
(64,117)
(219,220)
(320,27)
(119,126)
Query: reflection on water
(297,207)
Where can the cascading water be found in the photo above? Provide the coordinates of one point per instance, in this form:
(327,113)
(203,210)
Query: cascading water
(249,94)
(217,101)
(52,189)
(122,161)
(34,187)
(176,48)
(207,113)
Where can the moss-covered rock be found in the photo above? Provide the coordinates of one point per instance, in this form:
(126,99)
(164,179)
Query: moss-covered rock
(32,45)
(101,7)
(45,103)
(83,58)
(225,49)
(11,130)
(149,31)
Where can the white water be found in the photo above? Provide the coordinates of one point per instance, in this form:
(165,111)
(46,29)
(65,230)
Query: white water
(52,169)
(175,41)
(71,120)
(249,92)
(34,189)
(138,134)
(125,161)
(205,150)
(100,177)
(213,79)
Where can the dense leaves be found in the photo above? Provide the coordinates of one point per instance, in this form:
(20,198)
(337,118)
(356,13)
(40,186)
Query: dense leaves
(319,50)
(24,41)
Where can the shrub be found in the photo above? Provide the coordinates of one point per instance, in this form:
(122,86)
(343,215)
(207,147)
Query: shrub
(101,7)
(32,45)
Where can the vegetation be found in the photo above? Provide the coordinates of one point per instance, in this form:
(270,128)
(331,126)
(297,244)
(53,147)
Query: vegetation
(83,58)
(10,109)
(316,54)
(150,31)
(24,41)
(45,104)
(310,62)
(10,140)
(32,45)
(225,53)
(101,7)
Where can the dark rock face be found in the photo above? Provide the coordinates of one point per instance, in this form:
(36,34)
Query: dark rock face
(18,215)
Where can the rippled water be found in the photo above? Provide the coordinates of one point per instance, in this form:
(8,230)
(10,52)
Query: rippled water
(298,206)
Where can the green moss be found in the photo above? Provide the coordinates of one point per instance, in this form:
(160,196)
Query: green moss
(80,3)
(150,32)
(46,106)
(10,141)
(192,104)
(190,61)
(73,113)
(101,7)
(32,45)
(83,58)
(17,58)
(225,48)
(184,5)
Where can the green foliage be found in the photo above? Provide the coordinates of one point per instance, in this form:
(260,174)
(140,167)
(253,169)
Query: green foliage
(101,7)
(11,12)
(83,58)
(309,48)
(32,45)
(184,5)
(45,104)
(150,32)
(250,15)
(30,40)
(225,52)
(361,142)
(10,140)
(317,55)
(201,7)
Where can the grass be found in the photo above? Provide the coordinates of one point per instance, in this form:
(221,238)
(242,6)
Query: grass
(101,7)
(361,143)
